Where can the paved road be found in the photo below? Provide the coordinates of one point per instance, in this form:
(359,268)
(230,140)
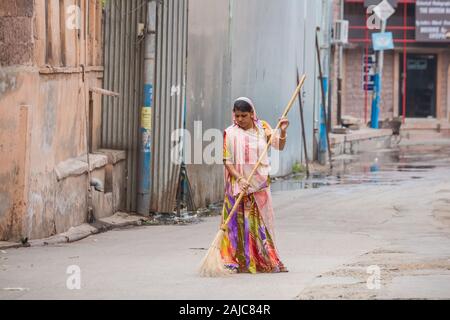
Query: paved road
(394,216)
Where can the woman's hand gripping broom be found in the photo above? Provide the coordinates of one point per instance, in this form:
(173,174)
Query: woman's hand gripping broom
(212,264)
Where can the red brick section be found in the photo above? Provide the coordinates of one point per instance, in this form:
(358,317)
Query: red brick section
(444,85)
(354,97)
(16,40)
(334,68)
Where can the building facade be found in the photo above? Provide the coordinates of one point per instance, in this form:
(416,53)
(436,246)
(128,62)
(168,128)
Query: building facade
(415,80)
(56,56)
(50,66)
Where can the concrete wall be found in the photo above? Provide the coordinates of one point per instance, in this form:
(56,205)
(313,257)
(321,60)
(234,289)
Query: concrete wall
(42,115)
(208,86)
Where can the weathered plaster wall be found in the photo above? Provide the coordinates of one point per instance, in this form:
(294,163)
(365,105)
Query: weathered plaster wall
(58,134)
(18,89)
(15,136)
(43,116)
(42,123)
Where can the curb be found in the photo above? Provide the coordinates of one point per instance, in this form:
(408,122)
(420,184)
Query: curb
(75,233)
(117,221)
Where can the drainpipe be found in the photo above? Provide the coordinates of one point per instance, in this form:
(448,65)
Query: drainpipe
(90,218)
(145,131)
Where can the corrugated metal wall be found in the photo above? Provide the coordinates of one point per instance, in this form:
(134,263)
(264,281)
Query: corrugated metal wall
(170,86)
(235,48)
(250,48)
(208,87)
(124,65)
(269,44)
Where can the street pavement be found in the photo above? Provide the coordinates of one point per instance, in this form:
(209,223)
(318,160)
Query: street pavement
(378,228)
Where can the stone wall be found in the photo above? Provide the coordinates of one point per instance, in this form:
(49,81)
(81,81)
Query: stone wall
(16,32)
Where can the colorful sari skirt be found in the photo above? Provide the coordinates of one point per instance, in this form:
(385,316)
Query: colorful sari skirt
(248,245)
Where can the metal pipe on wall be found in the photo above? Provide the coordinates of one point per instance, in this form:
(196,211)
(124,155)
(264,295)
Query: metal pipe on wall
(145,131)
(90,207)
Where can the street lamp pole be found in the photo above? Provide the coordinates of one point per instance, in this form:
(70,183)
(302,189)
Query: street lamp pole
(378,85)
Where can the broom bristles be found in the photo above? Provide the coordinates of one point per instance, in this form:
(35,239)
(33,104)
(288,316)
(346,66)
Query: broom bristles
(212,264)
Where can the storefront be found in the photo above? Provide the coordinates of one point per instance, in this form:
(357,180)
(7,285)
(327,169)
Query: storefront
(416,72)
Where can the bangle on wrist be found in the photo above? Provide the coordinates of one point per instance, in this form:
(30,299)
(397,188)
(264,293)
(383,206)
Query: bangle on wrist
(282,138)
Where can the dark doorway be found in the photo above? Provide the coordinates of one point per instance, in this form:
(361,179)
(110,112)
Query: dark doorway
(421,81)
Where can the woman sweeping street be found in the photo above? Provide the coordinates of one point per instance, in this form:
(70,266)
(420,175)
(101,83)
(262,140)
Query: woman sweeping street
(248,245)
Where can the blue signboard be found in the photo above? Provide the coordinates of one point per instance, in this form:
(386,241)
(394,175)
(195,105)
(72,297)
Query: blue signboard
(382,41)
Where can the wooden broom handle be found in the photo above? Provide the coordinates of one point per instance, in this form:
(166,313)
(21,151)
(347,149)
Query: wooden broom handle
(266,149)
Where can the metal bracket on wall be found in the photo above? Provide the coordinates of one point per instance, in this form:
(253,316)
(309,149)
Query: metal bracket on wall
(103,92)
(90,132)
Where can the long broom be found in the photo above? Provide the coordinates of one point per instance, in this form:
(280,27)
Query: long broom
(212,264)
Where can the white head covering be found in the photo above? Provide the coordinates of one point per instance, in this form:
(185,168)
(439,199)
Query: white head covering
(250,102)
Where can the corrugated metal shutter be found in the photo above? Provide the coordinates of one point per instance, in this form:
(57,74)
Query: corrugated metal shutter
(124,65)
(169,100)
